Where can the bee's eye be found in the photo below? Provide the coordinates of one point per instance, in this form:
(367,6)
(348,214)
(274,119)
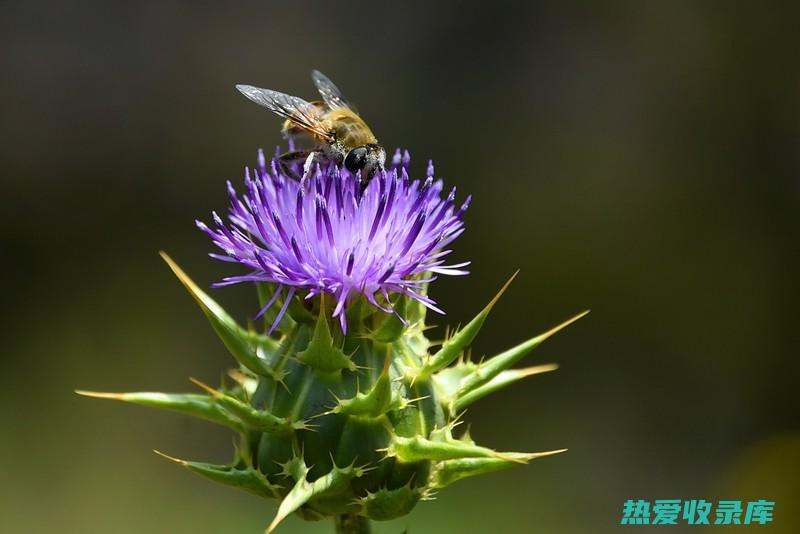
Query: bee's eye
(356,159)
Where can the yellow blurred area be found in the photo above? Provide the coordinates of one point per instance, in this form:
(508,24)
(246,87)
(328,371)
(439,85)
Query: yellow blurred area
(766,470)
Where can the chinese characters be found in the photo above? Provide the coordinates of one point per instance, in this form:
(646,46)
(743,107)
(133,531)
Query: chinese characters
(696,512)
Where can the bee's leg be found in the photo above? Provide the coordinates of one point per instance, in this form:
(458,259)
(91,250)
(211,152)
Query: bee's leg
(362,186)
(312,157)
(287,160)
(366,178)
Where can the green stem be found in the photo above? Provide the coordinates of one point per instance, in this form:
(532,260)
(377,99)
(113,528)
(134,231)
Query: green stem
(352,524)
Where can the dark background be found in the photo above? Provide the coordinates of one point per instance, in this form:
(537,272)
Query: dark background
(636,158)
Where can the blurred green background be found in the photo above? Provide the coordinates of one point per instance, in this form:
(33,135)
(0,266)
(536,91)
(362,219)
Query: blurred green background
(636,158)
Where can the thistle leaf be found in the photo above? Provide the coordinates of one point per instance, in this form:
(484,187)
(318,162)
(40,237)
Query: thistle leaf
(375,402)
(298,313)
(417,449)
(451,471)
(415,311)
(321,352)
(254,419)
(303,491)
(248,479)
(492,367)
(392,327)
(500,381)
(196,405)
(386,504)
(241,343)
(454,346)
(448,379)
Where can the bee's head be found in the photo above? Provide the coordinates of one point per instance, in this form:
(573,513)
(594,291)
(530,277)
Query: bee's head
(368,159)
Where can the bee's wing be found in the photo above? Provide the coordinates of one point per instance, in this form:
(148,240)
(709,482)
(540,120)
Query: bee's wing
(303,114)
(330,93)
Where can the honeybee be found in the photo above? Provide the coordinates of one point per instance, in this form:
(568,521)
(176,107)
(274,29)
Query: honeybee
(333,124)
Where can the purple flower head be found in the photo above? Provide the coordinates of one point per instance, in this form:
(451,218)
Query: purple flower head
(321,234)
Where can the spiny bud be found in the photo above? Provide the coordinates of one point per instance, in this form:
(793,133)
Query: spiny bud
(341,406)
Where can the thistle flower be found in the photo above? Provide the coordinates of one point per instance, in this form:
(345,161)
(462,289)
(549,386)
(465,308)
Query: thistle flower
(355,422)
(322,234)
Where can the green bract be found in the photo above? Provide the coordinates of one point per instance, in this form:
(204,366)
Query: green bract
(353,427)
